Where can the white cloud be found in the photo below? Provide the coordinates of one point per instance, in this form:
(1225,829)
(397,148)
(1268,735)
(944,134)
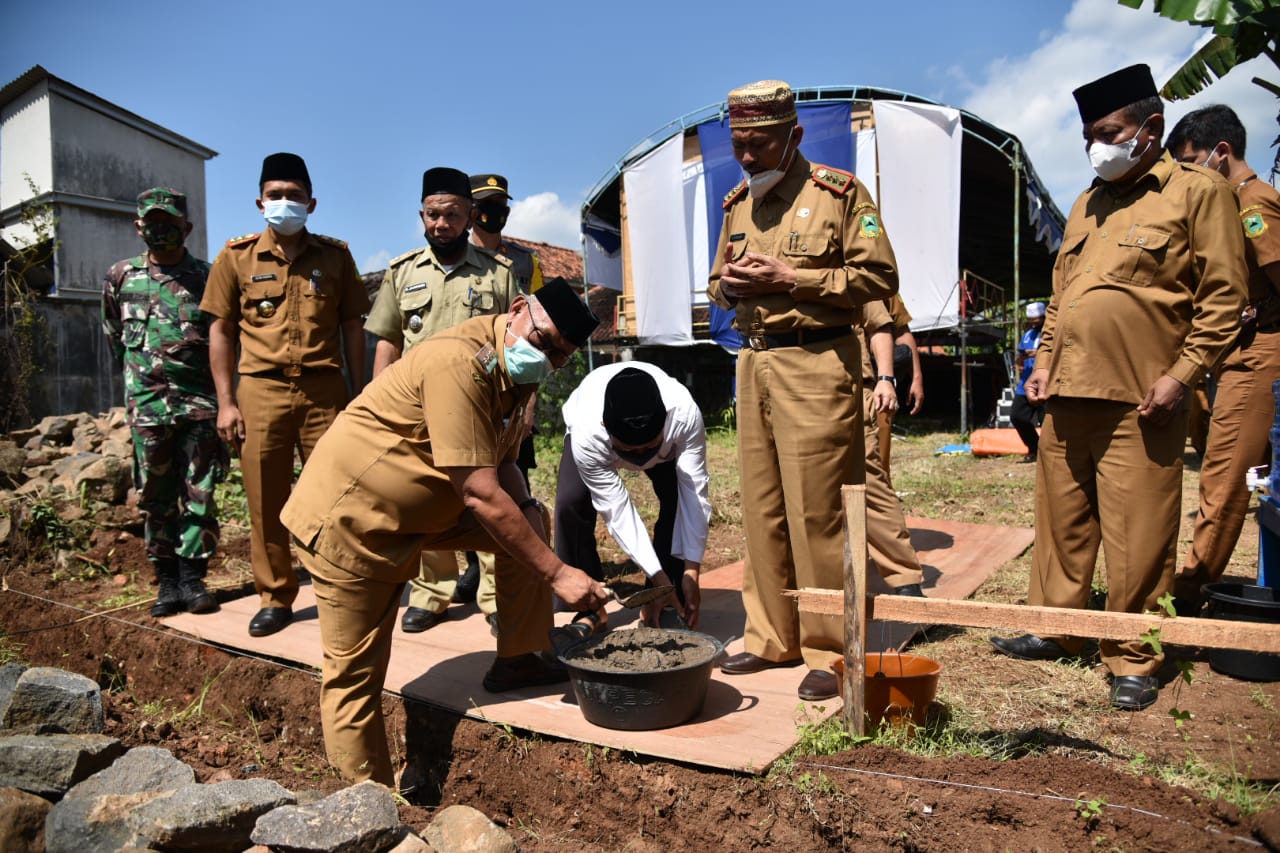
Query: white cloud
(545,218)
(377,261)
(1030,95)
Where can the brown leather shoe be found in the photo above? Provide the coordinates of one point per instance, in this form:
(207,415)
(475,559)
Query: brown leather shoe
(818,685)
(745,663)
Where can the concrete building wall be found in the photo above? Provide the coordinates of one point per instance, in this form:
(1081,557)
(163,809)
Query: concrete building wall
(26,148)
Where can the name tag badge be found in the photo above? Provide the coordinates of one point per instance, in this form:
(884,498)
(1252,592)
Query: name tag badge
(414,288)
(270,276)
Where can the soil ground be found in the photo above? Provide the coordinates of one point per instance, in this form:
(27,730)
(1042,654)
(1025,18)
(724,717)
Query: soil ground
(1020,756)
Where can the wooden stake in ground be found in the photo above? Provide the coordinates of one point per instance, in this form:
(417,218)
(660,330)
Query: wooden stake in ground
(854,501)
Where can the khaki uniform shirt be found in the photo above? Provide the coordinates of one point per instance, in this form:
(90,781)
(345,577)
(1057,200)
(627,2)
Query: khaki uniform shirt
(1260,216)
(1150,279)
(821,222)
(377,481)
(289,313)
(418,298)
(875,316)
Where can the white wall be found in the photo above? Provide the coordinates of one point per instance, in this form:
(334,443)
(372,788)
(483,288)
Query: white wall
(26,148)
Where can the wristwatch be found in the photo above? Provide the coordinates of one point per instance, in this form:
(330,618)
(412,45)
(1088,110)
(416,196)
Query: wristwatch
(890,379)
(528,502)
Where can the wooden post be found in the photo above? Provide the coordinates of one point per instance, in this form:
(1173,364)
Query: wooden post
(854,501)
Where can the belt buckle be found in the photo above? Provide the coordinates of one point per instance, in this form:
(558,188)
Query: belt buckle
(757,342)
(293,370)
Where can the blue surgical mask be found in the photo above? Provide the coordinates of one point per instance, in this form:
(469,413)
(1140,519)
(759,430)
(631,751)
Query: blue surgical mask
(526,364)
(284,216)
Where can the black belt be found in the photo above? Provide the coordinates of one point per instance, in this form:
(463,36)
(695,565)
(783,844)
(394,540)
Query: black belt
(799,337)
(293,371)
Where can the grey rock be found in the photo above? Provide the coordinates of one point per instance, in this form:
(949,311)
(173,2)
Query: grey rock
(66,469)
(45,694)
(145,768)
(115,447)
(34,488)
(108,480)
(12,460)
(57,429)
(209,817)
(411,843)
(359,819)
(9,674)
(96,824)
(22,818)
(48,765)
(459,828)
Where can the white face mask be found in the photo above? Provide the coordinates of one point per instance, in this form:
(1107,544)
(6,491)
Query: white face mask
(758,185)
(1112,162)
(284,216)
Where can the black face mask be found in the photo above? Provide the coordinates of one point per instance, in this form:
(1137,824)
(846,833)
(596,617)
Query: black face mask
(492,216)
(163,236)
(637,457)
(449,248)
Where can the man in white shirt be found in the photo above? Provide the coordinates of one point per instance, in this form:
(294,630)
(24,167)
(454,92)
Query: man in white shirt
(632,416)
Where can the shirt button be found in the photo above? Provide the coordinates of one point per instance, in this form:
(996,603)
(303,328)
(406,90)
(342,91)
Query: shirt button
(1103,234)
(1073,303)
(1067,342)
(1088,269)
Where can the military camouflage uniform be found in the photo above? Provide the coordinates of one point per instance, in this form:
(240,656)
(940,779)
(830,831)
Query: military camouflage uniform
(160,337)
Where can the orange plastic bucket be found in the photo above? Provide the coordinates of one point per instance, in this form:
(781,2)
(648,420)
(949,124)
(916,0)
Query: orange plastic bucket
(899,687)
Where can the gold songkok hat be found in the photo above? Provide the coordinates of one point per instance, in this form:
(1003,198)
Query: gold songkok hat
(761,104)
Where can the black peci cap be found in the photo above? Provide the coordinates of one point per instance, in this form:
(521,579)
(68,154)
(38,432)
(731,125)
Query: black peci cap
(573,319)
(1114,91)
(284,167)
(633,408)
(442,180)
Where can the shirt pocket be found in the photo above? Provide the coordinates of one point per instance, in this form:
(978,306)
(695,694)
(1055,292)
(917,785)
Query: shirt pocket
(1140,254)
(1069,255)
(480,300)
(415,310)
(133,322)
(263,303)
(806,251)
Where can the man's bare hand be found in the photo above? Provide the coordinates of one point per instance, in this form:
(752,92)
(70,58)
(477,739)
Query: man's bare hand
(231,426)
(915,396)
(576,588)
(650,612)
(755,274)
(1164,398)
(1037,386)
(885,396)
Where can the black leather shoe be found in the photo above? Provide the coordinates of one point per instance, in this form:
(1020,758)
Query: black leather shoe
(912,589)
(269,620)
(468,584)
(745,663)
(1134,692)
(1029,647)
(416,620)
(818,685)
(527,670)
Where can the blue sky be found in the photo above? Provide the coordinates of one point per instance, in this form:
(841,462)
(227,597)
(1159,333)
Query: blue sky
(551,94)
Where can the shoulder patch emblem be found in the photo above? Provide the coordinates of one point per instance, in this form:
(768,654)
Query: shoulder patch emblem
(836,180)
(734,194)
(869,225)
(487,357)
(332,241)
(242,240)
(1254,225)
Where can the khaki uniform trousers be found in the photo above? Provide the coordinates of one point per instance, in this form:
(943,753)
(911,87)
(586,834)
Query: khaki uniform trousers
(1243,412)
(1106,476)
(281,415)
(357,622)
(437,578)
(799,440)
(888,540)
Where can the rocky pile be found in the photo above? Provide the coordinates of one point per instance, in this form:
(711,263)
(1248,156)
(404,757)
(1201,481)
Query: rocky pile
(78,457)
(65,787)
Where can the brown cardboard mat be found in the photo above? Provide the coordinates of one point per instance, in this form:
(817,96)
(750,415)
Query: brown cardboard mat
(748,721)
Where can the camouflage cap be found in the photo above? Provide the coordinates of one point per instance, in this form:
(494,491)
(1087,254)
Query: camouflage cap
(162,198)
(761,104)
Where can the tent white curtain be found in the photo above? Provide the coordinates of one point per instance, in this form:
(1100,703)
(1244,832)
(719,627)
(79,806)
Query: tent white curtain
(695,230)
(918,147)
(603,245)
(864,161)
(659,244)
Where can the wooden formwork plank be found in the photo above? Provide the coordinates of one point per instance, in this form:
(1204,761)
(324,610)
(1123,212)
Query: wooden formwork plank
(1053,621)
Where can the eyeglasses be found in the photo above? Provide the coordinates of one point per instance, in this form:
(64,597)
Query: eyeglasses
(542,341)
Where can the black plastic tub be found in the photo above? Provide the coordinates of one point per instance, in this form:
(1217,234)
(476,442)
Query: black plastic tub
(639,701)
(1244,603)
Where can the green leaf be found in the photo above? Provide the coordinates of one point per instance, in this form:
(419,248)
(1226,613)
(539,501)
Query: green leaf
(1185,668)
(1218,56)
(1166,604)
(1152,638)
